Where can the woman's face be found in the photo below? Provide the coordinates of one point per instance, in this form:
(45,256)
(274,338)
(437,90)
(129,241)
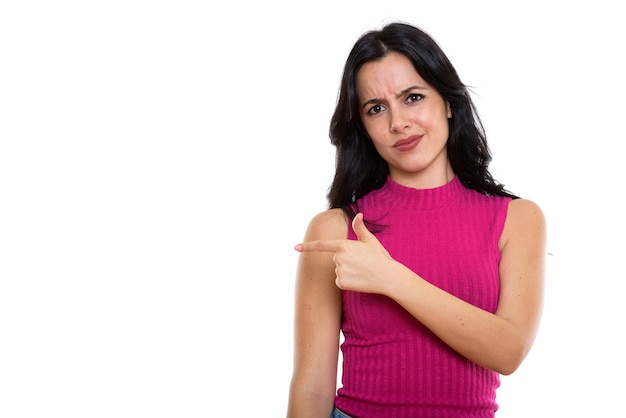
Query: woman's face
(406,119)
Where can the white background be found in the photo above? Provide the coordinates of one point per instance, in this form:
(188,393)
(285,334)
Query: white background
(159,160)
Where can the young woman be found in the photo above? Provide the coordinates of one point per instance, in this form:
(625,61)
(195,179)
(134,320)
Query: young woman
(432,271)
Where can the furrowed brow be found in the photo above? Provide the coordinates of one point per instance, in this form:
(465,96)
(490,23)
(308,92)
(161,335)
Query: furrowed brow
(408,90)
(371,102)
(402,93)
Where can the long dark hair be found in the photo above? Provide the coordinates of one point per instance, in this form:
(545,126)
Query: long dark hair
(359,167)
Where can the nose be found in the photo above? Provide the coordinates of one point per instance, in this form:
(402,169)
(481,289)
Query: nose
(398,122)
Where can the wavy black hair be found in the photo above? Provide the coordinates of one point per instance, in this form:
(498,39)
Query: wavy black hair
(359,167)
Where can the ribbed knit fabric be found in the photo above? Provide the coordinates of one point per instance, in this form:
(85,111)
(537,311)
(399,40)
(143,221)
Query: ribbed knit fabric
(393,366)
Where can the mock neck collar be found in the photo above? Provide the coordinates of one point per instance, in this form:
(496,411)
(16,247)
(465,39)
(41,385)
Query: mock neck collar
(422,198)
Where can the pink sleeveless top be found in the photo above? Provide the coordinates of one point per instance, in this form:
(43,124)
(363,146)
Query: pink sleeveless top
(393,366)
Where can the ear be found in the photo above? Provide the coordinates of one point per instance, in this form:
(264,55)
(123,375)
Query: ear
(449,110)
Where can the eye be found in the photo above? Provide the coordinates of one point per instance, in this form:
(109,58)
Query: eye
(414,97)
(376,109)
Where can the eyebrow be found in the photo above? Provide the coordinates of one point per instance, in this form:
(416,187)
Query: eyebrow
(402,93)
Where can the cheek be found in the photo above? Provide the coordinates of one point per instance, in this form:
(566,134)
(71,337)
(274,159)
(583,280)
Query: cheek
(434,121)
(375,129)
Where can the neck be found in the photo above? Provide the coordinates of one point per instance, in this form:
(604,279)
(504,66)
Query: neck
(428,179)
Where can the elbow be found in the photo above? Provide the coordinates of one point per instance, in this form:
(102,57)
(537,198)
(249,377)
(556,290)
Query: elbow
(508,364)
(512,352)
(508,369)
(309,400)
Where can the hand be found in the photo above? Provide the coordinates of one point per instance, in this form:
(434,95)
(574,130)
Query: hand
(362,265)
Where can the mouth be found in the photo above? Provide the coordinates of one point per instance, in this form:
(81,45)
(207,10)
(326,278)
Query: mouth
(407,144)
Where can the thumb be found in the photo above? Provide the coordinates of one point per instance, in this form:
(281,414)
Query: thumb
(361,231)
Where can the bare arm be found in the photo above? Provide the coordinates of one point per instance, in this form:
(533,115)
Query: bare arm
(317,323)
(497,341)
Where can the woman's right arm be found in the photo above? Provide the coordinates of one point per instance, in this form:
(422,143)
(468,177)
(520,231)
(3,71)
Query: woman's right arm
(316,323)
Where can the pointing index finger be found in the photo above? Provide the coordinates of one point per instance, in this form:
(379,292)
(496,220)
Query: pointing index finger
(321,245)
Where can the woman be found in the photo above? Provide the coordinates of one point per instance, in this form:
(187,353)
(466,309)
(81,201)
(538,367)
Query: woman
(430,269)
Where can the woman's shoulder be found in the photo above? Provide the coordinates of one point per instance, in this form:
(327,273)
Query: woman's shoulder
(525,209)
(329,224)
(524,217)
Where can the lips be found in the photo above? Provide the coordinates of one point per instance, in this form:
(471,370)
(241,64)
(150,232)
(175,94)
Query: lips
(407,144)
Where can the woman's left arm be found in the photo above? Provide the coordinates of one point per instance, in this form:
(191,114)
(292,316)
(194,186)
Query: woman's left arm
(497,341)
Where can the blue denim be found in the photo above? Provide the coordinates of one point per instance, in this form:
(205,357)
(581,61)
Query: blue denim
(337,413)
